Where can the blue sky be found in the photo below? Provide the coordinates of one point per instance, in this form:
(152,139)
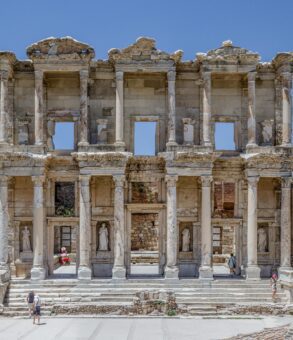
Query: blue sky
(264,26)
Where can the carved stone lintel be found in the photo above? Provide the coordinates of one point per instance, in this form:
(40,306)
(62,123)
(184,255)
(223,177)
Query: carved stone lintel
(206,181)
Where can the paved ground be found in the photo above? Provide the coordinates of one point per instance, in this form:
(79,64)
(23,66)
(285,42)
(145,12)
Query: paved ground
(134,328)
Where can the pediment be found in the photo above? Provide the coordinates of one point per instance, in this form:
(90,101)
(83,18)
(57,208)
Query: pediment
(65,48)
(143,50)
(229,54)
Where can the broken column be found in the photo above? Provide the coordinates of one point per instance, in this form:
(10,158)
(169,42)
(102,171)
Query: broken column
(83,138)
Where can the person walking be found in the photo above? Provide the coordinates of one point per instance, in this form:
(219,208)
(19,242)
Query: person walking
(37,309)
(30,302)
(232,265)
(274,280)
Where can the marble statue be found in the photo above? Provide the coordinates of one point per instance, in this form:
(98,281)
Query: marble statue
(186,240)
(102,130)
(26,244)
(267,131)
(262,240)
(103,237)
(188,132)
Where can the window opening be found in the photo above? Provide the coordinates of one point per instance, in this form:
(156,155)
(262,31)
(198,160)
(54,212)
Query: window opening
(63,138)
(224,136)
(145,138)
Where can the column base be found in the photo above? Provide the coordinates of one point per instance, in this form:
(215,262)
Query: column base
(83,144)
(38,273)
(171,273)
(118,273)
(206,273)
(84,273)
(286,274)
(252,273)
(251,145)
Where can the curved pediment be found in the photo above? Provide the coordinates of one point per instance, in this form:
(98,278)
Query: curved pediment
(283,58)
(65,48)
(229,54)
(143,50)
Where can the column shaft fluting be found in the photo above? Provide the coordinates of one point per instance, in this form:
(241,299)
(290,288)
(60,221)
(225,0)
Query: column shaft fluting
(3,223)
(171,269)
(286,108)
(84,269)
(251,122)
(38,270)
(119,271)
(39,108)
(206,271)
(119,108)
(252,270)
(83,138)
(286,223)
(3,106)
(206,107)
(171,107)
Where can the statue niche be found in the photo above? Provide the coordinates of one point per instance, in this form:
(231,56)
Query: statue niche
(262,239)
(26,252)
(185,237)
(103,237)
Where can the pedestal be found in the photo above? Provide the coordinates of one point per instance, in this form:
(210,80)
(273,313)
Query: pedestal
(84,273)
(38,273)
(171,273)
(252,273)
(206,273)
(118,273)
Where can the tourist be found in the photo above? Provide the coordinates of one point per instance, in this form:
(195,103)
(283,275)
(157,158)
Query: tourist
(274,280)
(37,309)
(30,302)
(232,265)
(64,258)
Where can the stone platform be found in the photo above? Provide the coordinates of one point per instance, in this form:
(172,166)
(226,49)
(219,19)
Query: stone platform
(154,297)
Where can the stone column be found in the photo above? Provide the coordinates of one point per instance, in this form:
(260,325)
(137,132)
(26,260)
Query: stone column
(119,109)
(84,269)
(171,75)
(39,108)
(171,269)
(119,271)
(251,123)
(38,271)
(252,270)
(83,132)
(286,108)
(206,269)
(206,106)
(4,267)
(3,106)
(286,227)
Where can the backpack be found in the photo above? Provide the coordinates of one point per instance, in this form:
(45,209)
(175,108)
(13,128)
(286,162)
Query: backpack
(31,297)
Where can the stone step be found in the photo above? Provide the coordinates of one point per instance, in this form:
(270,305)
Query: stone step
(72,299)
(227,300)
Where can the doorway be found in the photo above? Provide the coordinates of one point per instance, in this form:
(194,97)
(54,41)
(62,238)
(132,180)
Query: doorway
(144,257)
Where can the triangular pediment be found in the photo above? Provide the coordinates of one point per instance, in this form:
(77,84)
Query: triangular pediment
(143,50)
(65,48)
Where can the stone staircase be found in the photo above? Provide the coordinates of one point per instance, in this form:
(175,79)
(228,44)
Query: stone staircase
(191,295)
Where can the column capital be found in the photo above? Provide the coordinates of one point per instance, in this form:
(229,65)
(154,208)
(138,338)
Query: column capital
(4,74)
(84,180)
(286,182)
(171,75)
(119,75)
(206,76)
(38,180)
(251,76)
(206,181)
(119,180)
(84,74)
(39,74)
(4,180)
(286,76)
(253,180)
(171,180)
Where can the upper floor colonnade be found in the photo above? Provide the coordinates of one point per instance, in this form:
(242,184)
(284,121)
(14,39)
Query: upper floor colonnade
(194,95)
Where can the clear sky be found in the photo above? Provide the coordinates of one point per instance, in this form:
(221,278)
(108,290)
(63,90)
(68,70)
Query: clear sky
(264,26)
